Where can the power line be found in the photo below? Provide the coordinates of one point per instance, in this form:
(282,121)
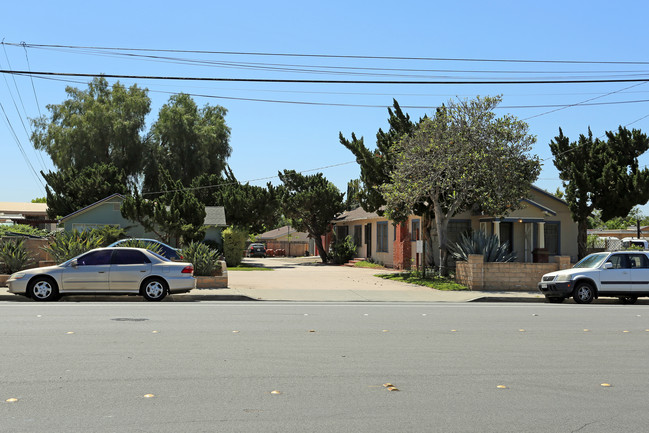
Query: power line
(336,56)
(584,102)
(245,181)
(312,81)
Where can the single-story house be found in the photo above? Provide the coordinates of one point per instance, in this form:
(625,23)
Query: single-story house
(107,212)
(287,238)
(543,221)
(33,214)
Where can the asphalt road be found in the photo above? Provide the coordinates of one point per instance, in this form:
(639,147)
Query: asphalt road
(213,367)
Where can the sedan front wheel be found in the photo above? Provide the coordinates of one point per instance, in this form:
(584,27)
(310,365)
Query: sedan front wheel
(43,289)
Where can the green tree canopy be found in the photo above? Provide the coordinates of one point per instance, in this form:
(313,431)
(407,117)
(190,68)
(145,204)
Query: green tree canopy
(69,190)
(254,209)
(310,203)
(465,158)
(376,165)
(175,215)
(601,174)
(187,141)
(100,125)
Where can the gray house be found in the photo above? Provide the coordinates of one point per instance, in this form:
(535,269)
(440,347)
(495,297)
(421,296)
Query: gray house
(107,212)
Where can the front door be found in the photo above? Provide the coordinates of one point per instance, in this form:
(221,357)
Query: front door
(368,240)
(90,273)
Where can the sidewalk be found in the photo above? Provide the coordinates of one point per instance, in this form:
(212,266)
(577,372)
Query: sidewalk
(302,279)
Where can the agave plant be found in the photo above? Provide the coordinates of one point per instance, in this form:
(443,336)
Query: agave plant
(66,245)
(479,243)
(205,260)
(14,256)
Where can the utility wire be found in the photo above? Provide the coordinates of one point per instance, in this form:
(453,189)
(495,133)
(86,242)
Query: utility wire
(311,81)
(245,181)
(586,101)
(437,59)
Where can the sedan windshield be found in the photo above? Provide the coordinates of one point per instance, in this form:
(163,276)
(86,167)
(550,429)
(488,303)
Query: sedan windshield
(591,261)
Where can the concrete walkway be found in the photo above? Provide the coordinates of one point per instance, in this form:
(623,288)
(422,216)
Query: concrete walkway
(304,279)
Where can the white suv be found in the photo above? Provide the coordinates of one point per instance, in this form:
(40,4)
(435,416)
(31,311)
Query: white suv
(622,274)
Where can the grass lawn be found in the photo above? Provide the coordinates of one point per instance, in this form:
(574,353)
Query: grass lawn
(435,282)
(245,267)
(366,264)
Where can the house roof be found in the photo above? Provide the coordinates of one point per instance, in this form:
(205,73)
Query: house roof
(215,216)
(282,231)
(548,194)
(87,208)
(13,208)
(356,214)
(540,206)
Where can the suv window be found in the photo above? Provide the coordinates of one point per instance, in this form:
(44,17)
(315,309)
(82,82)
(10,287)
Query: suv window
(95,258)
(638,261)
(618,261)
(129,257)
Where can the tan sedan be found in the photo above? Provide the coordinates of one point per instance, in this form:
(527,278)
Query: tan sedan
(118,270)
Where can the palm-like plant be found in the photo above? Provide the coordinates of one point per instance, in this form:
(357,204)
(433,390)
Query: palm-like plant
(479,243)
(14,256)
(205,260)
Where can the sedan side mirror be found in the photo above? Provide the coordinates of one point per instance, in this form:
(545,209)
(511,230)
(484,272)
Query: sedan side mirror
(608,265)
(74,263)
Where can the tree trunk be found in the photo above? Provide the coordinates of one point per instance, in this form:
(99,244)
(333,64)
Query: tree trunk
(323,253)
(582,238)
(441,225)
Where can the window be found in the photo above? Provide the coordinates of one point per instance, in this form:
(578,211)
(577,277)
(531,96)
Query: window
(341,232)
(95,258)
(618,261)
(638,261)
(414,230)
(129,257)
(456,228)
(507,235)
(551,235)
(358,235)
(382,237)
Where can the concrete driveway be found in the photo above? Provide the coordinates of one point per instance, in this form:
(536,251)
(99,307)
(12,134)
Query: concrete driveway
(303,279)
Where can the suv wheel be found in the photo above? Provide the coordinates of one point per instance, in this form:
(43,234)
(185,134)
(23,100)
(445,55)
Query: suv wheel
(584,293)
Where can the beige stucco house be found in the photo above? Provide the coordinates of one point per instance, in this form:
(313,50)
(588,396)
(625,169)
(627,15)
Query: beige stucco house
(543,221)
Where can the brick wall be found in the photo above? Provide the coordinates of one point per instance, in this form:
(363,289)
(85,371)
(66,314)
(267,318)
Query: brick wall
(401,253)
(511,276)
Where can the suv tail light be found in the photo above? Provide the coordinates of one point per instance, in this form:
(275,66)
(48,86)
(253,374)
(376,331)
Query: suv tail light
(188,270)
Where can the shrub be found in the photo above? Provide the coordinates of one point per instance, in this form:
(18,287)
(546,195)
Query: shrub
(234,243)
(14,256)
(205,260)
(479,243)
(343,250)
(214,245)
(23,229)
(66,245)
(110,234)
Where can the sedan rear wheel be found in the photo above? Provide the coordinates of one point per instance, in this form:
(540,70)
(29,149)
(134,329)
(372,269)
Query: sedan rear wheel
(155,289)
(584,293)
(43,289)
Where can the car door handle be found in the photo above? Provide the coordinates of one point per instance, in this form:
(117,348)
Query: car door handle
(102,272)
(143,270)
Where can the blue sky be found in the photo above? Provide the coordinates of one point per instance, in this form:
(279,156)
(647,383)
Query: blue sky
(271,136)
